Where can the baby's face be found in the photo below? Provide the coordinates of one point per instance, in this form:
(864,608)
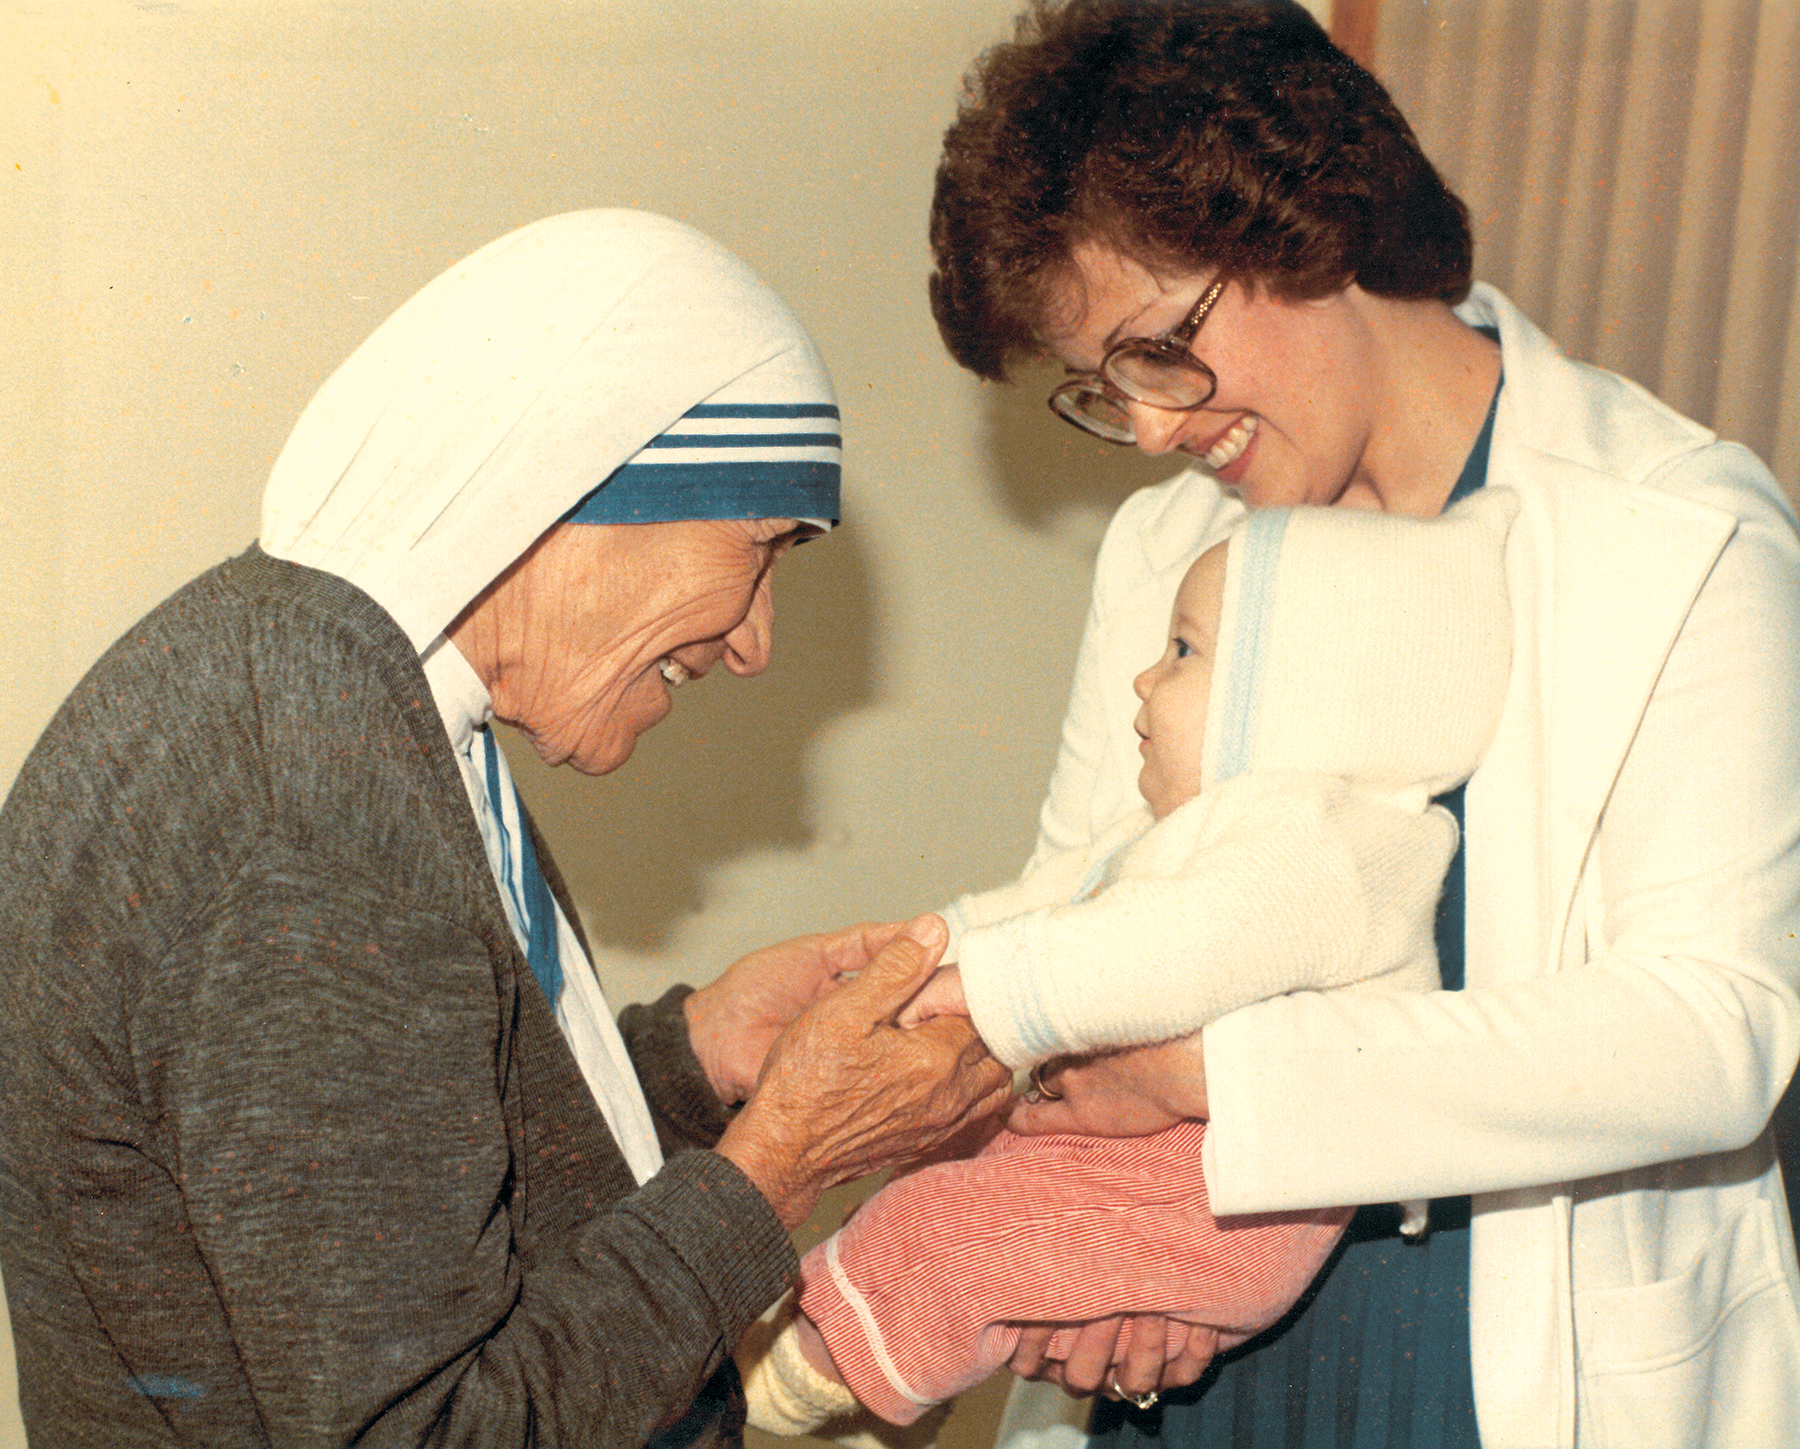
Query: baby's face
(1171,725)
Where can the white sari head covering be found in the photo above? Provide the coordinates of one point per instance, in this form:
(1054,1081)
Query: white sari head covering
(522,382)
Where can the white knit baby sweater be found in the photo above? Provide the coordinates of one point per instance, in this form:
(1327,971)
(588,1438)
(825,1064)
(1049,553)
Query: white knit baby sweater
(1266,885)
(1361,665)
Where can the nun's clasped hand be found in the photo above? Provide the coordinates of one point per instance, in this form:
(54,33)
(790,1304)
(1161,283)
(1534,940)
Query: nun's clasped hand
(734,1020)
(846,1090)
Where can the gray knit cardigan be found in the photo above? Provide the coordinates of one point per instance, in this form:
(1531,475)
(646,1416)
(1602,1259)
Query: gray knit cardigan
(291,1149)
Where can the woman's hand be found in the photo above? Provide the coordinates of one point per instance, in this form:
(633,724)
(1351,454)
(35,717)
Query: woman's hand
(733,1022)
(1129,1093)
(846,1091)
(1158,1354)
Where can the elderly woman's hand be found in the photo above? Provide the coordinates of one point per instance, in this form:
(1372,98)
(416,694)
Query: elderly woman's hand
(846,1091)
(733,1022)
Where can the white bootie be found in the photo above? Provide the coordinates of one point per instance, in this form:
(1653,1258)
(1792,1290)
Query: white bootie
(786,1394)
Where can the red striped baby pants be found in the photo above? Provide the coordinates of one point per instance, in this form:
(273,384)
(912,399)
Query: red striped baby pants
(919,1294)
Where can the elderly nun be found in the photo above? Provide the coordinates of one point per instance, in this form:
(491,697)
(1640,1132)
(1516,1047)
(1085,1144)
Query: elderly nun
(317,1126)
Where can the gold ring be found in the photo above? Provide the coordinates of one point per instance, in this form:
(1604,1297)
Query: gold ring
(1039,1092)
(1137,1401)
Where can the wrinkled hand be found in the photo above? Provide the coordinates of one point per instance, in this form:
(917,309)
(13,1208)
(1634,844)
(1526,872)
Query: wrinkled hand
(940,996)
(846,1091)
(1129,1093)
(733,1022)
(1159,1354)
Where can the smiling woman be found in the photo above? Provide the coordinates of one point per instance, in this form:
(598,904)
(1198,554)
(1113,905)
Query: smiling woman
(318,1127)
(1310,401)
(1609,1262)
(581,642)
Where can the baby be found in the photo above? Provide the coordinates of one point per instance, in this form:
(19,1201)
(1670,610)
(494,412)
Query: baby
(1327,673)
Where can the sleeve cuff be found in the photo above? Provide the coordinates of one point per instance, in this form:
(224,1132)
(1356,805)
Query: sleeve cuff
(716,1222)
(688,1112)
(994,976)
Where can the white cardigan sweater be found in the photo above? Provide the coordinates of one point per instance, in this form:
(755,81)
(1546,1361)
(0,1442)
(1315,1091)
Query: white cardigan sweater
(1604,1085)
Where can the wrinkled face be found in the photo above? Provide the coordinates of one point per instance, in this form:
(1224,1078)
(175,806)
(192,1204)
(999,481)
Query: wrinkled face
(1171,723)
(1292,417)
(589,632)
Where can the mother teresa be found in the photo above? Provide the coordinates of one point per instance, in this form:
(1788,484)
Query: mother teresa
(316,1126)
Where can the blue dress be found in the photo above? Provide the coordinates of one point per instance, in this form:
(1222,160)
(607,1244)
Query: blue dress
(1376,1354)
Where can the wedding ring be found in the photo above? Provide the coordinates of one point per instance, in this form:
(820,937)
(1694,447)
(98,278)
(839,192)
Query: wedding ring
(1137,1401)
(1039,1092)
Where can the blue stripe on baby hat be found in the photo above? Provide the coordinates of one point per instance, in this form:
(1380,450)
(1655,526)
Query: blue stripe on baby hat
(1259,540)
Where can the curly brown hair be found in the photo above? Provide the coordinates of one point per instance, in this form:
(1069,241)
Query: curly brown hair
(1198,134)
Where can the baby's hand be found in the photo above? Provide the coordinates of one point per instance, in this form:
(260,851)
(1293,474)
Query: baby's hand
(942,995)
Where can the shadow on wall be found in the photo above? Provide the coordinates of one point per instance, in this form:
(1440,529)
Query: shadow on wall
(1048,472)
(724,776)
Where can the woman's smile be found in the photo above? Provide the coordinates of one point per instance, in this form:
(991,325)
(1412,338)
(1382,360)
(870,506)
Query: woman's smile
(1231,445)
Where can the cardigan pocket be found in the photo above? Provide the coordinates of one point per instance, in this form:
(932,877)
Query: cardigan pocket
(1710,1356)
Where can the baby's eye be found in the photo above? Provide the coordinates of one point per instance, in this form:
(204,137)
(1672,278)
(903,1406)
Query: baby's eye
(1181,648)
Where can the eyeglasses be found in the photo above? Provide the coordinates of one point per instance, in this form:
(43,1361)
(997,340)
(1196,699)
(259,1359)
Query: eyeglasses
(1159,372)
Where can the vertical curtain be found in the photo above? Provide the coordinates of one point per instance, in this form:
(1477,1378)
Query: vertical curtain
(1629,168)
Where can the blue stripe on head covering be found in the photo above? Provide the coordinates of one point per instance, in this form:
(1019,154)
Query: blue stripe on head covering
(728,460)
(1260,539)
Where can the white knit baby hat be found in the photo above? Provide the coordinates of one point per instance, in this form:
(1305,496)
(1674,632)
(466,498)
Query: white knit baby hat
(1370,645)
